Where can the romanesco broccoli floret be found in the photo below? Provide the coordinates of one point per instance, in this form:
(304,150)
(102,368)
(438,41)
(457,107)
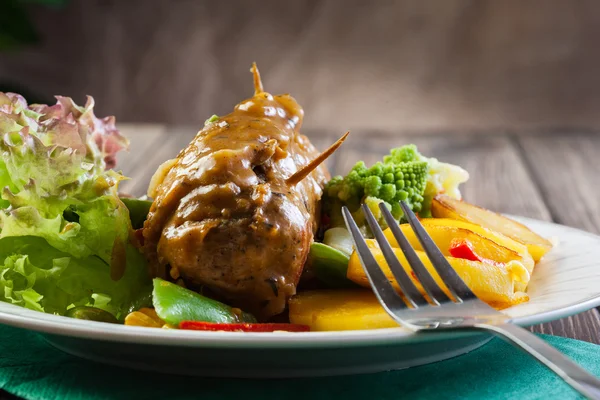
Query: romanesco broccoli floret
(402,176)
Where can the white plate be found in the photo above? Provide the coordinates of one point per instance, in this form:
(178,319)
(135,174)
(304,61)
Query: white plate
(565,282)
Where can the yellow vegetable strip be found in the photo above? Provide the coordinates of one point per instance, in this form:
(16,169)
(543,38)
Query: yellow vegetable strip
(339,310)
(446,207)
(492,283)
(486,244)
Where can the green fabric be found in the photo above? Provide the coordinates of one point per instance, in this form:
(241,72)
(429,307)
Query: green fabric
(32,369)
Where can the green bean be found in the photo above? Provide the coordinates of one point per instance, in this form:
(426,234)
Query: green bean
(91,314)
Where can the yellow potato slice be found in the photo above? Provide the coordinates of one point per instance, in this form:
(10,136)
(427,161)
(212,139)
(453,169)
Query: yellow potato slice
(526,258)
(339,310)
(483,245)
(447,207)
(480,230)
(493,283)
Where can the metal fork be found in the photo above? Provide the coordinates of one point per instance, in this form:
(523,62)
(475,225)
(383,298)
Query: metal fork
(464,311)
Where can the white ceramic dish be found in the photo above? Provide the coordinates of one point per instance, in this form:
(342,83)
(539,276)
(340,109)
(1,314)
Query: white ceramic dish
(565,282)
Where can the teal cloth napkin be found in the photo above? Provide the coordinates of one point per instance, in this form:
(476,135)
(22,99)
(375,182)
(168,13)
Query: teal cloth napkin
(32,369)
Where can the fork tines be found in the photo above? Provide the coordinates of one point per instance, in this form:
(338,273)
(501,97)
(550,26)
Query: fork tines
(462,311)
(381,284)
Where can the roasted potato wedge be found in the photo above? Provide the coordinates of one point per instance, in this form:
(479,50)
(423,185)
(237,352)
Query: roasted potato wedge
(339,310)
(447,207)
(493,283)
(502,240)
(484,244)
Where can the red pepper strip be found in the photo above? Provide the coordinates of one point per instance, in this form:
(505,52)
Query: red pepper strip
(325,220)
(460,248)
(241,327)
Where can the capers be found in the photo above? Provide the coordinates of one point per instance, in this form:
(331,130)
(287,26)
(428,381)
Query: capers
(91,314)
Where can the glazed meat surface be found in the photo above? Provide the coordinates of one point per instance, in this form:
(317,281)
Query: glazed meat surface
(224,216)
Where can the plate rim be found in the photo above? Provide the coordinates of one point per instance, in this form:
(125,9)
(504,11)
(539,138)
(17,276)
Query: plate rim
(63,326)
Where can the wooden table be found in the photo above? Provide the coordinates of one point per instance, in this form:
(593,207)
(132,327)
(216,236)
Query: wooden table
(552,177)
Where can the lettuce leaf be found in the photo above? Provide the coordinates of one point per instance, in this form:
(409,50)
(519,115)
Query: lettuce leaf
(35,275)
(64,232)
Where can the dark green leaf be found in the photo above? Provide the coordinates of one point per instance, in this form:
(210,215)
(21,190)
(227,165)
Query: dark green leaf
(138,211)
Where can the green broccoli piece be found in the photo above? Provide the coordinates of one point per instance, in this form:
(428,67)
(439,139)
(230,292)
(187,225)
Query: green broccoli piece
(402,175)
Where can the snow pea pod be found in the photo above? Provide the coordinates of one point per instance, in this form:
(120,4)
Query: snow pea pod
(175,304)
(329,265)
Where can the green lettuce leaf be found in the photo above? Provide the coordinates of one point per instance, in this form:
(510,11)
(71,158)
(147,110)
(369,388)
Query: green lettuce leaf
(64,232)
(35,275)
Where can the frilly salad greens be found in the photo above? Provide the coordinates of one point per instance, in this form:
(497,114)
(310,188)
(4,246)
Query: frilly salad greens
(64,232)
(404,175)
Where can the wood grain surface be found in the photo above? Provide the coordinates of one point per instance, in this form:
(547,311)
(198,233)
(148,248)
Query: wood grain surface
(353,64)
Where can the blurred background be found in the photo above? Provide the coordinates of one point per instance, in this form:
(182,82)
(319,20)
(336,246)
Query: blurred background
(405,65)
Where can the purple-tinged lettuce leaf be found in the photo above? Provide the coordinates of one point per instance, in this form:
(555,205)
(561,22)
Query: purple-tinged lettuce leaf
(56,190)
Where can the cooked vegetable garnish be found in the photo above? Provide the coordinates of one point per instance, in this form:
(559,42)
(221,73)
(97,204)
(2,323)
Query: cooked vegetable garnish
(493,283)
(339,310)
(91,314)
(340,239)
(329,265)
(175,304)
(401,176)
(145,317)
(443,178)
(240,327)
(461,248)
(213,118)
(404,175)
(447,207)
(445,235)
(64,232)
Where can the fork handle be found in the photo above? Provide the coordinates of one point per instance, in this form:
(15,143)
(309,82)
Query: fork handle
(579,379)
